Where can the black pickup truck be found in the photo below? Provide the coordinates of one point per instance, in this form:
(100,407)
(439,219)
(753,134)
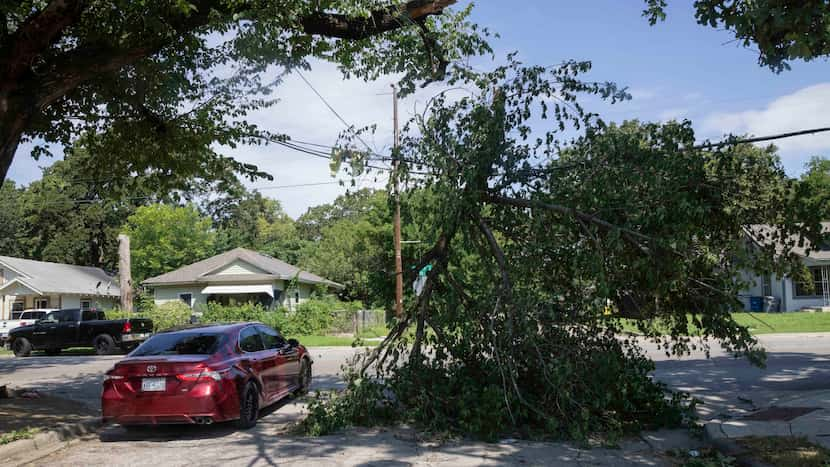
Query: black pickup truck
(61,329)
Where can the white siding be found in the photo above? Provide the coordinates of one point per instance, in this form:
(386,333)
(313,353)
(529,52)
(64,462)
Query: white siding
(163,295)
(287,299)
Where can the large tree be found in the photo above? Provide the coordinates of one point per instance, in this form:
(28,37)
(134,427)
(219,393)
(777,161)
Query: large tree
(350,241)
(164,238)
(250,220)
(164,80)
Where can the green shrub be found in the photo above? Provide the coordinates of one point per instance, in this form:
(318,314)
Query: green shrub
(315,316)
(169,315)
(217,313)
(164,316)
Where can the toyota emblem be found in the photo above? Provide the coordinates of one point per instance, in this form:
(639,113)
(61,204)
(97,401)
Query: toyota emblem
(151,368)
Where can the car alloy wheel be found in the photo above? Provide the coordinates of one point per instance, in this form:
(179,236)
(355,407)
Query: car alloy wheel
(248,407)
(305,378)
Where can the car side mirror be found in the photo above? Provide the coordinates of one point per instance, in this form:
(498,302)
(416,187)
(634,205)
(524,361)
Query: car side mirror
(293,342)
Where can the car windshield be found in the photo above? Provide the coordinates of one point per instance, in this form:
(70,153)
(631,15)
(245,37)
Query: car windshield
(180,343)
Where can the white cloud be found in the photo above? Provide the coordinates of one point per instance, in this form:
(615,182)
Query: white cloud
(806,108)
(303,116)
(676,113)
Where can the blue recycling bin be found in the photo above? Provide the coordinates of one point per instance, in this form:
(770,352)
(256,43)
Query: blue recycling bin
(756,304)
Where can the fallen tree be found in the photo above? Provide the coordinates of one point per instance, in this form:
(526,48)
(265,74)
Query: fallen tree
(548,228)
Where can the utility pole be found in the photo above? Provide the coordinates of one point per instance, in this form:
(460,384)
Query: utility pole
(397,198)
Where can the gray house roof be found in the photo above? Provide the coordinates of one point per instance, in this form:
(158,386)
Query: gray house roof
(765,234)
(57,278)
(199,272)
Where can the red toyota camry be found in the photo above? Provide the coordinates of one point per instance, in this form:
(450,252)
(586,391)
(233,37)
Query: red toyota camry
(205,374)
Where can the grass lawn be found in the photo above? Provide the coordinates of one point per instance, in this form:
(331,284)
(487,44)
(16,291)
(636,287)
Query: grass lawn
(15,435)
(769,323)
(786,451)
(330,341)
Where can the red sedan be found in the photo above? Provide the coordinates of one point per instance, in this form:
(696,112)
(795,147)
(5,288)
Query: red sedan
(205,374)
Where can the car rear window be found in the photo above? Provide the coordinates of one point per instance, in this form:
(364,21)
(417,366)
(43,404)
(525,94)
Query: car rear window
(182,343)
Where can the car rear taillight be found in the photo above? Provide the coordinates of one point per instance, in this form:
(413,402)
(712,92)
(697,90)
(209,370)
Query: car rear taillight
(201,376)
(115,374)
(128,328)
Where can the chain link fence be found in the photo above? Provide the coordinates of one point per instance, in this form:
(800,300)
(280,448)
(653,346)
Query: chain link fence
(355,322)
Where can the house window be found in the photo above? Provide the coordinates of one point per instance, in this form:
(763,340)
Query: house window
(186,298)
(17,309)
(813,288)
(41,303)
(86,304)
(297,297)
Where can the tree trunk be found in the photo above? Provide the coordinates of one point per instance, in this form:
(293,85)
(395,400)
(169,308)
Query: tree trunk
(12,124)
(124,273)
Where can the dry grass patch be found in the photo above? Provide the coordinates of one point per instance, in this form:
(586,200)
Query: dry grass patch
(786,451)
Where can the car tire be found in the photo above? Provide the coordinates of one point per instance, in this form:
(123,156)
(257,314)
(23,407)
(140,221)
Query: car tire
(248,406)
(304,380)
(53,352)
(21,347)
(104,344)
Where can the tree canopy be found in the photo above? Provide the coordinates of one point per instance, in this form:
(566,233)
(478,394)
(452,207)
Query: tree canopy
(781,30)
(164,238)
(161,83)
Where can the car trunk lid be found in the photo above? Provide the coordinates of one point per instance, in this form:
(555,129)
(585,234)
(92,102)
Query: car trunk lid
(163,375)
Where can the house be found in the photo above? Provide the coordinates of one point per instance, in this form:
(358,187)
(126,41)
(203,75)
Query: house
(27,284)
(239,276)
(784,293)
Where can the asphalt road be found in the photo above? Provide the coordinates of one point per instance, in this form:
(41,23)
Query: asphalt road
(80,377)
(796,363)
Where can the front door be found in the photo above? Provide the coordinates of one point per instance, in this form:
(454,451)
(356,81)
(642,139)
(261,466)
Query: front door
(257,359)
(274,345)
(68,327)
(288,359)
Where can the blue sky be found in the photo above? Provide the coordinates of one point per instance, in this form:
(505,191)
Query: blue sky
(675,69)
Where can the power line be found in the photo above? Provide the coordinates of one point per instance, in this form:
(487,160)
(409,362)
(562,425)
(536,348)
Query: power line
(332,109)
(731,142)
(298,185)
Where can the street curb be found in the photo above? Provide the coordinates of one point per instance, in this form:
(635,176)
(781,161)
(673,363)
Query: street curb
(45,443)
(728,446)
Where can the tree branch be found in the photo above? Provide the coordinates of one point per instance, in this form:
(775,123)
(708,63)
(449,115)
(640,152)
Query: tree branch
(379,21)
(530,204)
(36,35)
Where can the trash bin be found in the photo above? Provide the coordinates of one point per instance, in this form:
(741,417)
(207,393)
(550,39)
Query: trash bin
(772,304)
(756,304)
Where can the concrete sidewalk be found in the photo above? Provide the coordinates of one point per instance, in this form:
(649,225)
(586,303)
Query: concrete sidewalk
(805,415)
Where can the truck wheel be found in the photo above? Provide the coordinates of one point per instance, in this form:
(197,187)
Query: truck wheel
(53,352)
(21,347)
(248,406)
(104,344)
